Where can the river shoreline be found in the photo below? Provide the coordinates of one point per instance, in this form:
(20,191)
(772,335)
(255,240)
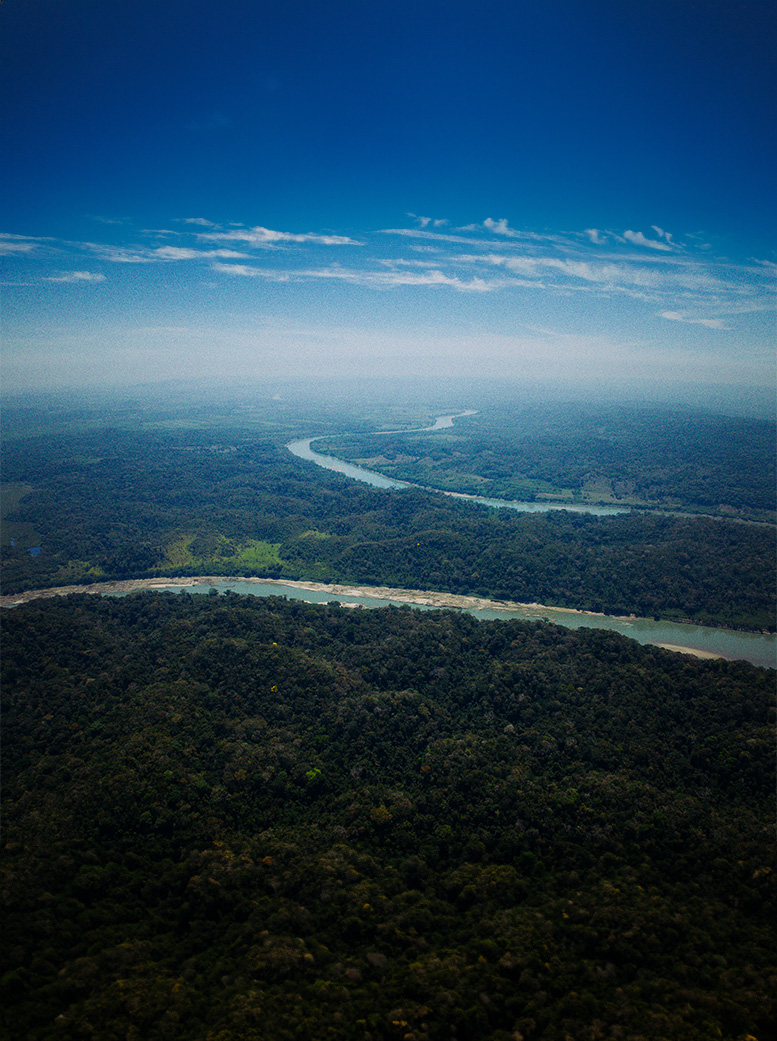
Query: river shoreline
(425,599)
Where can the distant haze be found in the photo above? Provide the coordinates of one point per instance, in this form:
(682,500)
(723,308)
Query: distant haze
(351,396)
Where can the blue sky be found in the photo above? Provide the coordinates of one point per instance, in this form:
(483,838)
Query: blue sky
(578,191)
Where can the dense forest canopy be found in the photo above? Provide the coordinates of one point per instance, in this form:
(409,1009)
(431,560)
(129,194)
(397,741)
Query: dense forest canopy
(175,492)
(229,818)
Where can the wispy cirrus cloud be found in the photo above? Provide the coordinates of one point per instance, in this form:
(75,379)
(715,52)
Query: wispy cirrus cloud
(424,222)
(434,236)
(259,236)
(662,234)
(184,253)
(667,277)
(501,227)
(197,220)
(393,279)
(143,255)
(638,239)
(77,276)
(602,273)
(19,244)
(680,316)
(660,272)
(250,271)
(371,278)
(8,247)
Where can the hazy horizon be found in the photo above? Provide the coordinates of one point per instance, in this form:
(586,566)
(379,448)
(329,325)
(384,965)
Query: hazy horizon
(440,395)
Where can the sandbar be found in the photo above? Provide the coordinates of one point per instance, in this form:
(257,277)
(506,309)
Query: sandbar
(688,650)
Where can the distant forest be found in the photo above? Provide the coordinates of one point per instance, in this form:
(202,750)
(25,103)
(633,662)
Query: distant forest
(233,819)
(639,457)
(164,495)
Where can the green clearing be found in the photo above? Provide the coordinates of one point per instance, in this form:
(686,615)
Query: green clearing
(75,572)
(201,549)
(259,554)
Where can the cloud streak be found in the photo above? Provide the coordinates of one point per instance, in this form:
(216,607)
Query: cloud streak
(369,279)
(18,244)
(638,239)
(260,236)
(679,316)
(78,276)
(141,255)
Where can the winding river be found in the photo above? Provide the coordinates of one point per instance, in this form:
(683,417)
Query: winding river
(758,648)
(303,450)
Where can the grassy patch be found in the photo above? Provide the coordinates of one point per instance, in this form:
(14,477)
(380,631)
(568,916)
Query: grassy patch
(211,549)
(177,552)
(77,571)
(258,553)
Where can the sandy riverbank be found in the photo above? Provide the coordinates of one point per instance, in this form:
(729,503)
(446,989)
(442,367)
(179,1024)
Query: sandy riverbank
(688,650)
(422,597)
(419,597)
